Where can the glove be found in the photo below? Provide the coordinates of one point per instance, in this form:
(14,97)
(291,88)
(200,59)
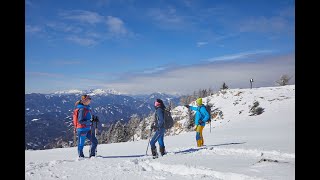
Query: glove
(187,106)
(200,121)
(153,127)
(95,118)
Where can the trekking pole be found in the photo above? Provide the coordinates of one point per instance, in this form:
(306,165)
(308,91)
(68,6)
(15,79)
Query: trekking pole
(96,135)
(210,126)
(90,138)
(74,138)
(149,141)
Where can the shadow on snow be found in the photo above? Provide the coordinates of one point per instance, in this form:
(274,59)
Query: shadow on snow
(191,150)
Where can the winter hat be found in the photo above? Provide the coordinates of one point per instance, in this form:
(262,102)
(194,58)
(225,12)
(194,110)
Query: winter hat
(199,101)
(85,98)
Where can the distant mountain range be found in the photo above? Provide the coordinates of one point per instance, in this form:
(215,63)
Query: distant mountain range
(49,116)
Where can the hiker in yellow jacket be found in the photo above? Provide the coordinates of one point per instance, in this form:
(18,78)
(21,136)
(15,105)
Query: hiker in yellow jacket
(200,120)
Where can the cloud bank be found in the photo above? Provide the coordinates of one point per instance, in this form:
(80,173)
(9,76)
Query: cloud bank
(187,79)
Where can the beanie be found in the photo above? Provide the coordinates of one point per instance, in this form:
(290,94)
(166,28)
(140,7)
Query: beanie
(199,101)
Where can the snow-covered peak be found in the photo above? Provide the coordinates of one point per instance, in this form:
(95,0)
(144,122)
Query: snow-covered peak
(71,91)
(103,92)
(90,92)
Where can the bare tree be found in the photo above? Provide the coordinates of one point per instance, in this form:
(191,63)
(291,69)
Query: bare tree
(195,94)
(200,93)
(204,93)
(210,91)
(224,86)
(171,105)
(284,80)
(184,100)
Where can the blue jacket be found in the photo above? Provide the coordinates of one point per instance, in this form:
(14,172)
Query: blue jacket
(201,113)
(159,121)
(84,118)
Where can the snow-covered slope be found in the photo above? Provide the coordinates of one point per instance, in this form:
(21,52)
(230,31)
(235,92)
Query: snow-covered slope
(239,146)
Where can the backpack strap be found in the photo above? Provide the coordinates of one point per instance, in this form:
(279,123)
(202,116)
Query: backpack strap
(200,111)
(85,112)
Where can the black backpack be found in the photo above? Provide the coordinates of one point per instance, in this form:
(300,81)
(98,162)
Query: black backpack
(168,120)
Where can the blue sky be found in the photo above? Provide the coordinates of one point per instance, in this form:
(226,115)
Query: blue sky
(168,46)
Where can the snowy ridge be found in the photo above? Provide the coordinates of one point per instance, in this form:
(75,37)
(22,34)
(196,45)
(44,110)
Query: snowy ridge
(91,92)
(235,104)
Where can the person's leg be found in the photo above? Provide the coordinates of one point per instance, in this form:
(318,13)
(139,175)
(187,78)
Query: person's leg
(198,136)
(161,142)
(94,143)
(161,136)
(201,135)
(153,141)
(81,140)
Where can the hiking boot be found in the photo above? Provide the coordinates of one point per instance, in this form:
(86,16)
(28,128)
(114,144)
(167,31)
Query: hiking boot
(81,155)
(162,150)
(154,152)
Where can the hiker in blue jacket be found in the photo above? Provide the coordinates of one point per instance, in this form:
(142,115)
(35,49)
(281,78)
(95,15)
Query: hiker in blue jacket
(201,117)
(158,127)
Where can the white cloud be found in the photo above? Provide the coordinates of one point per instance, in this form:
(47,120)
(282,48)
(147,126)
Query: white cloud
(82,41)
(275,24)
(44,74)
(64,27)
(32,29)
(150,71)
(68,62)
(199,44)
(116,26)
(187,79)
(82,16)
(167,18)
(239,55)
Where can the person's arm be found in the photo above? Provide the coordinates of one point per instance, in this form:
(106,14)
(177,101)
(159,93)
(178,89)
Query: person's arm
(160,117)
(205,113)
(193,108)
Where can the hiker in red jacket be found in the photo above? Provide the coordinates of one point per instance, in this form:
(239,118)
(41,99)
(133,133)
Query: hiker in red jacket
(82,121)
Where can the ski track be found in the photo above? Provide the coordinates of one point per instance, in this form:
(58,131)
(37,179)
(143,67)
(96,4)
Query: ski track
(188,170)
(146,166)
(254,153)
(203,172)
(246,152)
